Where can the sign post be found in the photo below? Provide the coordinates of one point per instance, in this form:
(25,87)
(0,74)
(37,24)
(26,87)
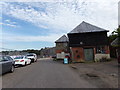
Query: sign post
(65,60)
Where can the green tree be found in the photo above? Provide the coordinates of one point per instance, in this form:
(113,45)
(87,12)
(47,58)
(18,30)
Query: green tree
(117,32)
(115,35)
(112,37)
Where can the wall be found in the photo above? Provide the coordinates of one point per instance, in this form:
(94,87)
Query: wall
(88,39)
(61,47)
(61,55)
(100,56)
(75,51)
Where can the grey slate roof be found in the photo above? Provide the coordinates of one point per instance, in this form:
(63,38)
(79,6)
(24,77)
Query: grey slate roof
(62,39)
(85,27)
(116,42)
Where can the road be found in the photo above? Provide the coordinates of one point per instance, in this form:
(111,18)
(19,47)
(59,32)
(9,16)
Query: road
(44,74)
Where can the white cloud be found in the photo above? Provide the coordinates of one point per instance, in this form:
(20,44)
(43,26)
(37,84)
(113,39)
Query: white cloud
(62,17)
(23,38)
(57,0)
(9,23)
(29,1)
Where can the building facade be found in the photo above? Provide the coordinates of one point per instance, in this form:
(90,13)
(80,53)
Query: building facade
(88,42)
(62,47)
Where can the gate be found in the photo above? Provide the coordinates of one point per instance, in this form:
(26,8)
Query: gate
(88,54)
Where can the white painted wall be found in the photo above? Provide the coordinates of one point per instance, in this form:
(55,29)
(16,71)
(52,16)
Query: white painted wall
(100,56)
(61,55)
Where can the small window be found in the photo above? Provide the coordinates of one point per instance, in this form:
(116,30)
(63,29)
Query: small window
(100,49)
(6,58)
(58,45)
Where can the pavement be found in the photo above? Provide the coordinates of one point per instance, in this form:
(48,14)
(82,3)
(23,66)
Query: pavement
(100,74)
(44,73)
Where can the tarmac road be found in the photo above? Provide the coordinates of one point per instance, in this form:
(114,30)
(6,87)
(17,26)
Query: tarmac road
(44,74)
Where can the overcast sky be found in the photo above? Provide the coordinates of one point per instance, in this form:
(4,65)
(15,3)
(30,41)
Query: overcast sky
(33,25)
(119,13)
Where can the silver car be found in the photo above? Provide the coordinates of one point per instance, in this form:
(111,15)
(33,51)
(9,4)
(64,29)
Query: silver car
(6,64)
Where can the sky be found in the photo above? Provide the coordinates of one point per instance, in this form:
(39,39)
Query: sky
(119,13)
(34,25)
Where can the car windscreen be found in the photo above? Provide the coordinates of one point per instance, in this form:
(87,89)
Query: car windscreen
(18,58)
(1,58)
(4,58)
(30,55)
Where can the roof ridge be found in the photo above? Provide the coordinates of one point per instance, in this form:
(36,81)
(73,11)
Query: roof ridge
(85,27)
(63,38)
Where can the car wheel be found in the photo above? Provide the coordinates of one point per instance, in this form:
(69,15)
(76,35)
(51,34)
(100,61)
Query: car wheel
(25,63)
(30,62)
(12,69)
(33,61)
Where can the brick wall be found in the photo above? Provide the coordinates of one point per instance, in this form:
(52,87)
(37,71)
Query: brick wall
(107,50)
(77,53)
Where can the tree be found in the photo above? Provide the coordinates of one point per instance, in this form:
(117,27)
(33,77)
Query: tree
(116,42)
(114,39)
(117,32)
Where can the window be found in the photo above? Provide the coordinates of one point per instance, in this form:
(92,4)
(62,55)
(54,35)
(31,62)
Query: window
(18,58)
(1,58)
(10,58)
(58,44)
(100,49)
(5,58)
(30,55)
(25,57)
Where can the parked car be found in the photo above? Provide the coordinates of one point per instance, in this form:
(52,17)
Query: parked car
(22,60)
(13,56)
(32,56)
(6,64)
(54,56)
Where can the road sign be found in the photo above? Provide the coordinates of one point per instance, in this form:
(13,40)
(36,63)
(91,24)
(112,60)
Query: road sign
(65,60)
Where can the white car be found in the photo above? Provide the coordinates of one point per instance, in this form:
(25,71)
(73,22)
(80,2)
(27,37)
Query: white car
(22,60)
(32,56)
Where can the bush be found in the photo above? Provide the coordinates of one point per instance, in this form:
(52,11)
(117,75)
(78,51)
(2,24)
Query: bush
(97,60)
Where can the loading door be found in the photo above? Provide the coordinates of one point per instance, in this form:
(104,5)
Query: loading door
(88,53)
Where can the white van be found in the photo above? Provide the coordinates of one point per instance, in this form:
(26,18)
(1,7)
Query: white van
(32,56)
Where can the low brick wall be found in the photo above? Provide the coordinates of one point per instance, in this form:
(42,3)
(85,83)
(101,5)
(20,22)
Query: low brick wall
(100,56)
